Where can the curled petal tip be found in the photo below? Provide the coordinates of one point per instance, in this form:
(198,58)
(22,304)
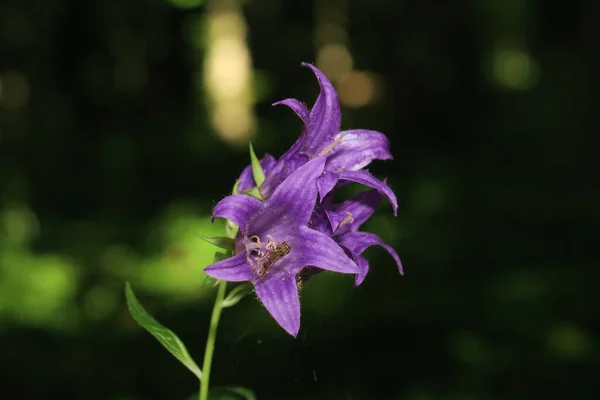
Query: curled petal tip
(394,203)
(279,103)
(297,106)
(316,70)
(365,178)
(321,77)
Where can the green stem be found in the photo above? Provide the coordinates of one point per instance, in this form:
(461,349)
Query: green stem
(210,342)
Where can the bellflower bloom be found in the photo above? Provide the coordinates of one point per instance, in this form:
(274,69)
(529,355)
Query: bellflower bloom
(342,221)
(275,243)
(347,152)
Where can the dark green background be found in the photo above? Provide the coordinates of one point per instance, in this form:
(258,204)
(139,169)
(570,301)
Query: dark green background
(103,181)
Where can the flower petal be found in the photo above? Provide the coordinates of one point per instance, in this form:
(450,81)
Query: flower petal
(365,178)
(363,266)
(297,194)
(321,251)
(232,269)
(280,297)
(357,242)
(319,221)
(324,117)
(356,149)
(237,208)
(246,177)
(267,162)
(298,107)
(359,208)
(335,218)
(288,163)
(325,183)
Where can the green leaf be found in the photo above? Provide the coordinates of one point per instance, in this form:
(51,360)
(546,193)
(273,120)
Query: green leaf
(226,243)
(219,257)
(209,280)
(237,294)
(235,187)
(257,171)
(165,336)
(254,192)
(231,229)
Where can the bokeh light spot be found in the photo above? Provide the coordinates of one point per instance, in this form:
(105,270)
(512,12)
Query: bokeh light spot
(334,60)
(15,90)
(233,122)
(357,89)
(227,71)
(514,69)
(569,341)
(329,32)
(37,290)
(177,268)
(227,75)
(19,224)
(99,302)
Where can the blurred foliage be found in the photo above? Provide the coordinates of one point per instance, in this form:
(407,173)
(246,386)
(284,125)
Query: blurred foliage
(123,123)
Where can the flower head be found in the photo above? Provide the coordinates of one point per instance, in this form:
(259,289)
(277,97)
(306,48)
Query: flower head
(275,243)
(285,235)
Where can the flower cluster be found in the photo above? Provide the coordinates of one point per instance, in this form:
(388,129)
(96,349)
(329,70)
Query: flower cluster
(290,228)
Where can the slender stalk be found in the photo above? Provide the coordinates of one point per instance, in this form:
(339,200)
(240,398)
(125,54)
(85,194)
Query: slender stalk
(210,342)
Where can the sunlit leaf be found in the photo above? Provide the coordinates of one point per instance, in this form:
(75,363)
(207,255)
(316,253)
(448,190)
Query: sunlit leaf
(165,336)
(237,294)
(257,170)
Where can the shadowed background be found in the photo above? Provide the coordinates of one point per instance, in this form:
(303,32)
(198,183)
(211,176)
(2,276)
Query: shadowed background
(123,123)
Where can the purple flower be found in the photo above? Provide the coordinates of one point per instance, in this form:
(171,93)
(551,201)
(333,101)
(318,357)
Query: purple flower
(342,221)
(347,152)
(276,243)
